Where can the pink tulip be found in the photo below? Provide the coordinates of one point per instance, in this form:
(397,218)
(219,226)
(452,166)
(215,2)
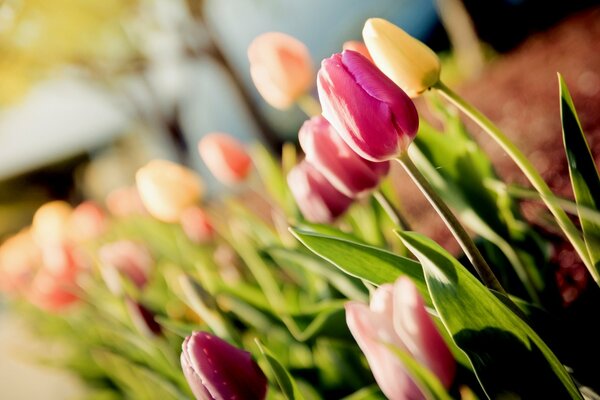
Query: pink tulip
(318,200)
(225,157)
(87,221)
(359,47)
(196,224)
(131,259)
(373,115)
(20,258)
(397,317)
(215,369)
(125,201)
(344,169)
(281,68)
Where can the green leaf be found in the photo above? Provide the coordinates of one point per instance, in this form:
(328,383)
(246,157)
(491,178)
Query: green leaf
(366,262)
(284,379)
(583,172)
(427,381)
(367,393)
(508,357)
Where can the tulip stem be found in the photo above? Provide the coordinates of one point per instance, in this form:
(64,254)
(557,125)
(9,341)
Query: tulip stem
(528,170)
(459,233)
(393,213)
(309,105)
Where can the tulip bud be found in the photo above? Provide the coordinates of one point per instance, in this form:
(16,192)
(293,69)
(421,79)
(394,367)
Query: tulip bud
(281,68)
(318,200)
(125,201)
(142,318)
(405,60)
(87,221)
(131,259)
(167,189)
(215,369)
(225,157)
(52,292)
(20,257)
(397,317)
(196,225)
(344,169)
(373,115)
(358,47)
(50,223)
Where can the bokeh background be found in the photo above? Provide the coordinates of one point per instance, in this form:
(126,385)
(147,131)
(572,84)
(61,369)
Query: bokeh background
(90,90)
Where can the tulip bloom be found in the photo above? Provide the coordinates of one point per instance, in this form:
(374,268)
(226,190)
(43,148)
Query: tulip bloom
(167,189)
(358,47)
(225,157)
(373,115)
(50,223)
(196,225)
(20,258)
(397,317)
(215,369)
(344,169)
(87,221)
(318,200)
(408,62)
(125,201)
(281,68)
(131,259)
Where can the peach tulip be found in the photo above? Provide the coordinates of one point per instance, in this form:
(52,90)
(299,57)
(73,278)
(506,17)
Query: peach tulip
(225,157)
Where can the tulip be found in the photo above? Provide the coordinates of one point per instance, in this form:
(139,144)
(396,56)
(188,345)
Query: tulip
(215,369)
(359,47)
(344,169)
(87,221)
(281,68)
(373,115)
(20,258)
(225,157)
(318,200)
(52,293)
(167,189)
(125,201)
(405,60)
(196,224)
(50,223)
(131,259)
(142,318)
(397,317)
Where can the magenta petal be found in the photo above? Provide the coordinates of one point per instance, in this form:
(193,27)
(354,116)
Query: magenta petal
(225,371)
(344,169)
(373,115)
(318,200)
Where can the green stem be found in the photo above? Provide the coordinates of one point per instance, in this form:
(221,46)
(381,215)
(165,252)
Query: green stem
(461,236)
(528,169)
(393,213)
(309,105)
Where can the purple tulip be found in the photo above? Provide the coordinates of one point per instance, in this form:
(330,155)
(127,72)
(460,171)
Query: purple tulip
(397,316)
(344,169)
(318,200)
(373,115)
(217,370)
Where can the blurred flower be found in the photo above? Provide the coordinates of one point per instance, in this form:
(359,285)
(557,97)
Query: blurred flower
(51,293)
(318,200)
(50,223)
(196,225)
(359,47)
(344,169)
(87,221)
(281,68)
(408,62)
(373,115)
(131,259)
(125,201)
(167,189)
(225,157)
(20,258)
(142,318)
(397,317)
(215,369)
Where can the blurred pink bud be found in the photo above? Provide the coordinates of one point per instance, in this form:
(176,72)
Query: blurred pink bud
(359,47)
(196,225)
(167,189)
(50,223)
(215,369)
(20,258)
(318,200)
(281,68)
(87,221)
(373,115)
(125,201)
(51,292)
(225,157)
(397,317)
(142,318)
(131,259)
(344,169)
